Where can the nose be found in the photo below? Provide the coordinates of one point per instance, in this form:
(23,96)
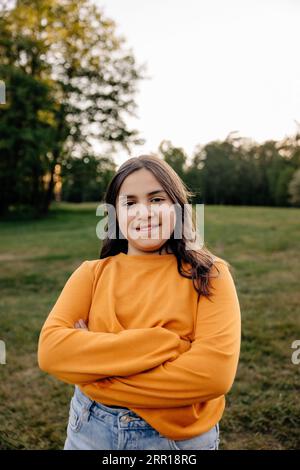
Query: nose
(145,213)
(144,210)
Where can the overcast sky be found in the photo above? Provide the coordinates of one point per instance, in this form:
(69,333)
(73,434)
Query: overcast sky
(216,66)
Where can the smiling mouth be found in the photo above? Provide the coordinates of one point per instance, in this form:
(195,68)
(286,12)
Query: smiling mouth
(148,228)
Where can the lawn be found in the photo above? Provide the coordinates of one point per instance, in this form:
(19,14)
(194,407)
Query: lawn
(262,245)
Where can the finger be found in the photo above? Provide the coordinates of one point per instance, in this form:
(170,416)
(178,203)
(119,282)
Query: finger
(82,323)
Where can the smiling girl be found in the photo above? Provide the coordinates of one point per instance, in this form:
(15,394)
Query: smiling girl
(149,334)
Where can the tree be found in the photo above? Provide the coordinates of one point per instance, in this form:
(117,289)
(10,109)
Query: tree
(86,179)
(241,171)
(294,188)
(89,81)
(217,177)
(174,156)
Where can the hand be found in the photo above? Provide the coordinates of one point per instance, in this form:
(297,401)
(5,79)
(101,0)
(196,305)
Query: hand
(81,324)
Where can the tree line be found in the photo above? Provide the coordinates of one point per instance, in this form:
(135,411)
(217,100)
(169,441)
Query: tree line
(240,171)
(70,81)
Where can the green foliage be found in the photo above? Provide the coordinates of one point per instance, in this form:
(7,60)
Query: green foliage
(86,179)
(174,156)
(238,171)
(294,188)
(69,78)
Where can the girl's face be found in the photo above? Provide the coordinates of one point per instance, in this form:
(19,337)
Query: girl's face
(142,201)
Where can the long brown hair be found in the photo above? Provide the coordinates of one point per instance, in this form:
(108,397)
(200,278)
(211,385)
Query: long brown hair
(201,260)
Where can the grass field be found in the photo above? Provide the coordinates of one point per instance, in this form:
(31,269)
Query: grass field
(261,244)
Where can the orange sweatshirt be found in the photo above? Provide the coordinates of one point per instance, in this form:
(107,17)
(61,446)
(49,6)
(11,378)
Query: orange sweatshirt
(150,346)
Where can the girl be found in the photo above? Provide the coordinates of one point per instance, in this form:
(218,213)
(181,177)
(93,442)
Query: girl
(149,334)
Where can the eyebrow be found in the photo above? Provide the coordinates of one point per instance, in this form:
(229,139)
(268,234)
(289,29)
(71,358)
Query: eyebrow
(148,194)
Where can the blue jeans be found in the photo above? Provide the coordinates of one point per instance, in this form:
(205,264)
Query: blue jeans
(95,426)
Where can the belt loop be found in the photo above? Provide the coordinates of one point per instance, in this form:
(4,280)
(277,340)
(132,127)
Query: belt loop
(86,411)
(87,405)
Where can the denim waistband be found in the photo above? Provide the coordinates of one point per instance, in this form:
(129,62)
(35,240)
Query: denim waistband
(88,402)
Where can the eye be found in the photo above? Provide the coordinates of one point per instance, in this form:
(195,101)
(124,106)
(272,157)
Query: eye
(127,203)
(153,199)
(157,198)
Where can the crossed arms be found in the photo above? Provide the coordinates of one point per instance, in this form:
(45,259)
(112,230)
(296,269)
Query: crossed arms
(79,356)
(147,367)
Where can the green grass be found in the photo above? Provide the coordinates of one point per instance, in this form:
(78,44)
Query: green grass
(262,245)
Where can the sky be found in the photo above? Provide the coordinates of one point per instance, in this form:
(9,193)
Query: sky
(216,67)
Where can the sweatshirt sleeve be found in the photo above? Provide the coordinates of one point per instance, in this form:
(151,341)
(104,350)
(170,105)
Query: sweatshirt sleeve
(79,356)
(204,372)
